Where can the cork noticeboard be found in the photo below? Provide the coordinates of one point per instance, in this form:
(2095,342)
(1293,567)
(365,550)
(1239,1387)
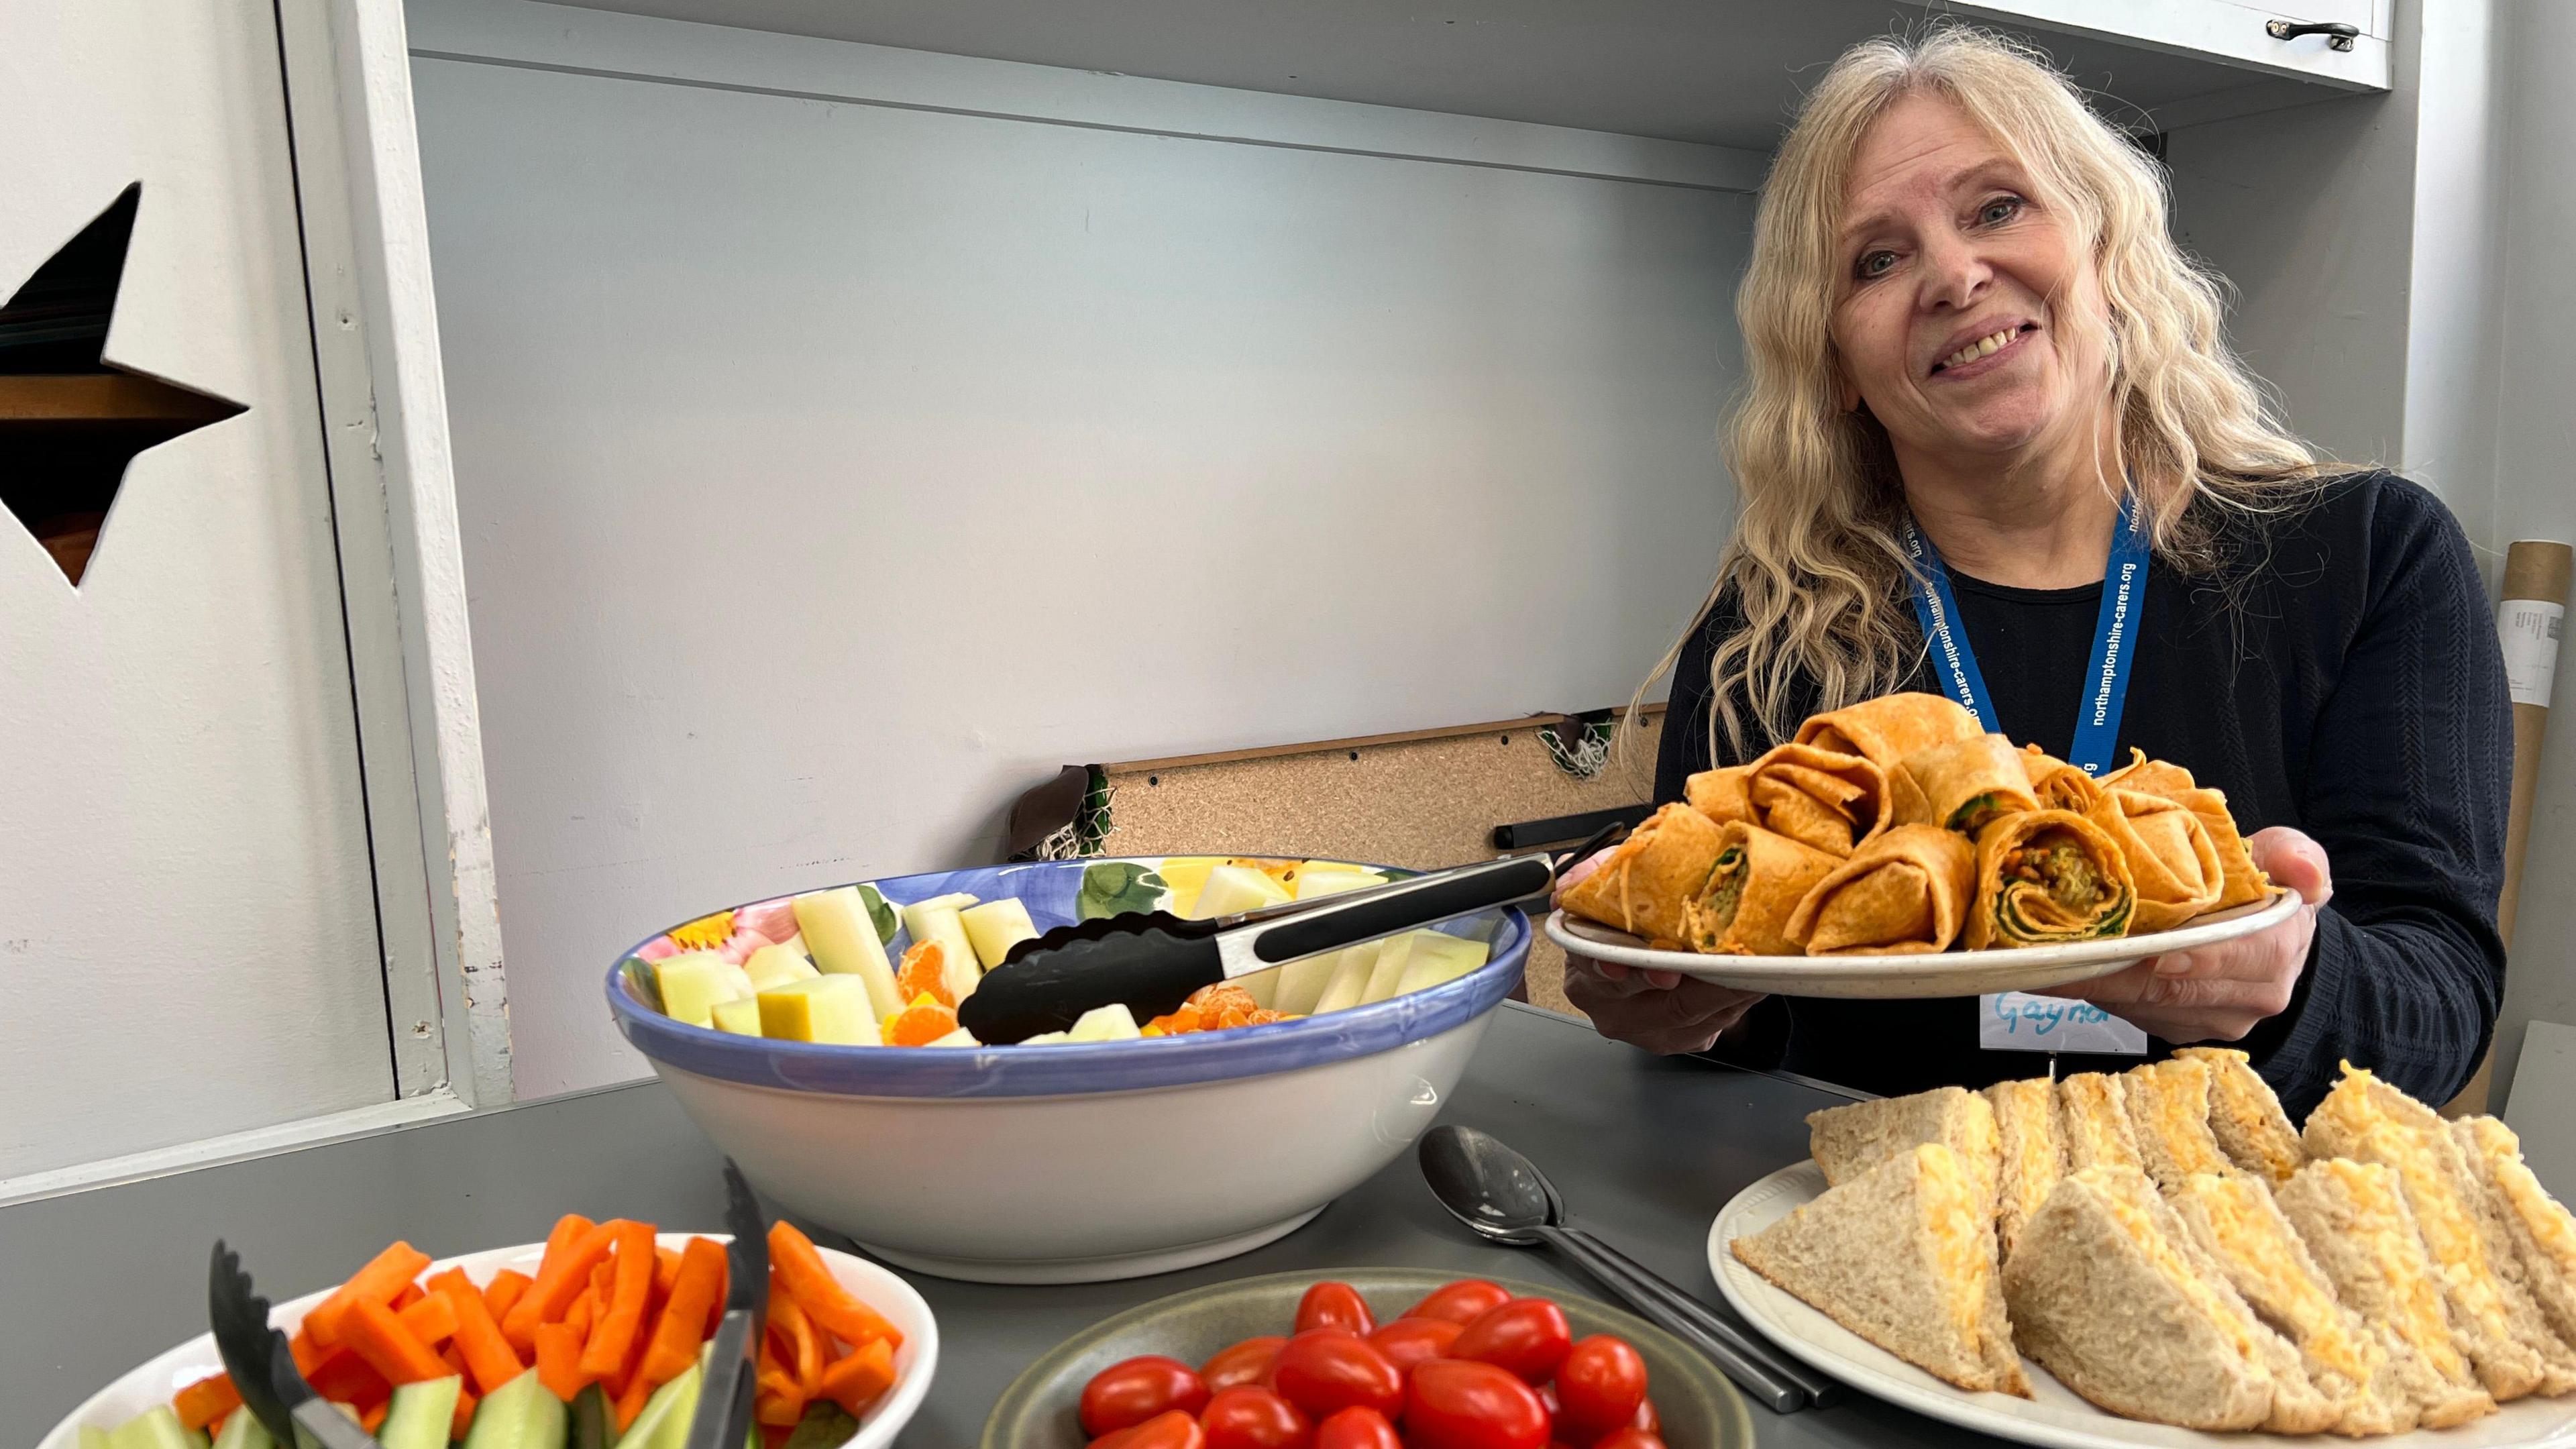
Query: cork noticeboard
(1425,799)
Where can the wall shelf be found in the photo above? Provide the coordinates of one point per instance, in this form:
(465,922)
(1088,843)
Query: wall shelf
(104,401)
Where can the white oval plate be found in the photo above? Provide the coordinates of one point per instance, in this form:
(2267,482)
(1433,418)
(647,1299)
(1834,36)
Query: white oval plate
(1939,973)
(2058,1417)
(914,1363)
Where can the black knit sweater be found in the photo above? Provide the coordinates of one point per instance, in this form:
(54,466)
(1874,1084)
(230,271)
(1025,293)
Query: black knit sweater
(2341,676)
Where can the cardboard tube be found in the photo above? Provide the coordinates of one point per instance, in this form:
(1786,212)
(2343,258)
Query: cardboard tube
(2532,603)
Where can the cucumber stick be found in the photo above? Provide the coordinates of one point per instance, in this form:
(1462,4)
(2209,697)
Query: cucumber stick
(521,1414)
(420,1415)
(243,1430)
(155,1428)
(92,1438)
(664,1422)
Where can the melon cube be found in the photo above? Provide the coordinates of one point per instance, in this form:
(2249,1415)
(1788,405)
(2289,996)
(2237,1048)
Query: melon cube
(776,966)
(832,1009)
(694,981)
(994,927)
(741,1016)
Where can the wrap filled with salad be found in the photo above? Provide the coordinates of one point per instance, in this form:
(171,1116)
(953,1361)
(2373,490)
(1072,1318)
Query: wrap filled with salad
(1966,783)
(1887,729)
(2243,882)
(2047,877)
(1756,885)
(2171,858)
(2058,785)
(1648,880)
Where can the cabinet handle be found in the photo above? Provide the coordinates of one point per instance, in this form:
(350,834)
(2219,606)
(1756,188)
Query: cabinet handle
(2339,36)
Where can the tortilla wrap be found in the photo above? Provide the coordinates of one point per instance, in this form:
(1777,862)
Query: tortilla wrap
(2171,858)
(1820,798)
(2046,877)
(1759,880)
(2245,882)
(1903,893)
(1650,879)
(1720,794)
(1887,729)
(2057,784)
(1966,783)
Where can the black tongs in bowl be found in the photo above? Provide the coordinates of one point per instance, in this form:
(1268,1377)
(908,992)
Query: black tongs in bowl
(1152,960)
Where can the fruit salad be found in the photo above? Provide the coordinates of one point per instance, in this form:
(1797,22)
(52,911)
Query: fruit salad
(848,967)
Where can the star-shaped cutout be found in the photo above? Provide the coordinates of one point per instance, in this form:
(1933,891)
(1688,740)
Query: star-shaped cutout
(70,421)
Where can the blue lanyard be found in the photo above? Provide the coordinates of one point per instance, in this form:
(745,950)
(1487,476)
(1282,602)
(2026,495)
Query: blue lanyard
(2124,594)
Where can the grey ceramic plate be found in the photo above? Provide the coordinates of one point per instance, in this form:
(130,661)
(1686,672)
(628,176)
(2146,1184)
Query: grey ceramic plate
(1700,1409)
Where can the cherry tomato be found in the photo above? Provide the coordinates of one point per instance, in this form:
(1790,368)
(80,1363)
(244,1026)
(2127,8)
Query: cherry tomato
(1462,1302)
(1246,1417)
(1173,1429)
(1460,1404)
(1133,1390)
(1628,1438)
(1647,1418)
(1326,1370)
(1247,1362)
(1357,1427)
(1529,1336)
(1335,1305)
(1600,1386)
(1408,1341)
(1547,1400)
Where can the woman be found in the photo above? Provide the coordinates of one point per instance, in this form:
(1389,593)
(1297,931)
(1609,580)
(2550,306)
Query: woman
(1965,322)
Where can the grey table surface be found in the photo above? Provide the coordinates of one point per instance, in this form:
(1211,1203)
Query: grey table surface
(1646,1151)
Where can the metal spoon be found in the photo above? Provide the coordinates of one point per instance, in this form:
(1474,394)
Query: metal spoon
(1504,1198)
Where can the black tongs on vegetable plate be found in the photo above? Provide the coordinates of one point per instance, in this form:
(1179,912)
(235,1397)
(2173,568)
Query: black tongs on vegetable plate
(1152,960)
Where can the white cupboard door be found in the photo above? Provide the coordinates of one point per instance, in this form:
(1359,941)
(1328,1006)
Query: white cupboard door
(188,944)
(2235,32)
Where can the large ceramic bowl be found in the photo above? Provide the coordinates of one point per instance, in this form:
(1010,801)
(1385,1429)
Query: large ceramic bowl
(1074,1163)
(153,1382)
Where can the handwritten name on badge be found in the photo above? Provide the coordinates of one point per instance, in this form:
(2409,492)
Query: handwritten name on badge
(2019,1021)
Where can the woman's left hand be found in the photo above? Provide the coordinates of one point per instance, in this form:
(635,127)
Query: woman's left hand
(2219,993)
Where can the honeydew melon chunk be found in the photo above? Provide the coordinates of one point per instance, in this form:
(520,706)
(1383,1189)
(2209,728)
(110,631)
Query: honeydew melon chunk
(1302,982)
(1392,955)
(1261,986)
(1324,878)
(961,1037)
(937,919)
(1231,889)
(830,1009)
(1113,1022)
(1046,1038)
(776,966)
(994,927)
(693,982)
(1349,986)
(155,1428)
(1438,958)
(740,1016)
(836,925)
(1183,875)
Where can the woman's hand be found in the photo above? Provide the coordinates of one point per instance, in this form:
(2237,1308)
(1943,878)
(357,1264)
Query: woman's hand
(1661,1011)
(2219,993)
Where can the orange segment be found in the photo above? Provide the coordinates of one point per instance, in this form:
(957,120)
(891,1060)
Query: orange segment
(920,1024)
(920,975)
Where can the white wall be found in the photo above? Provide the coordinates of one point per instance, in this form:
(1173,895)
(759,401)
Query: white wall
(830,472)
(2534,488)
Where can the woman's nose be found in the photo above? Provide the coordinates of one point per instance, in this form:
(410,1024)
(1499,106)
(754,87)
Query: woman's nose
(1954,274)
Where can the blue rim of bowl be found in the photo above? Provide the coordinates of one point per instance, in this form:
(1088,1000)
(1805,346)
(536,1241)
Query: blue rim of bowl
(1069,1069)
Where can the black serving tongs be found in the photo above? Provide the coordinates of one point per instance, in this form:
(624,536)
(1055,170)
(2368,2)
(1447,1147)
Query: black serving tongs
(1152,960)
(262,1368)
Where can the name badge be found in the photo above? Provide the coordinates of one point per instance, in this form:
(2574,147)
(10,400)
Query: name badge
(2017,1021)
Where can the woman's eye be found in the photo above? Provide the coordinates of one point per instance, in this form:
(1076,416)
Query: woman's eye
(1999,210)
(1874,264)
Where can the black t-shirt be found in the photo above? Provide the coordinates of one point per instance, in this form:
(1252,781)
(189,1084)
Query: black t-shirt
(2342,676)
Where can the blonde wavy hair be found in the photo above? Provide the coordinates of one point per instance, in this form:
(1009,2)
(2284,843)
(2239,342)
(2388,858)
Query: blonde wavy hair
(1815,565)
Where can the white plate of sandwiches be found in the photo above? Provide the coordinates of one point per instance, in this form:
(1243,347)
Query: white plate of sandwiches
(2157,1258)
(1895,849)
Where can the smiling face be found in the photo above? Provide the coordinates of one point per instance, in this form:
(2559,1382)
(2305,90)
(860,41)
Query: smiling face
(1961,297)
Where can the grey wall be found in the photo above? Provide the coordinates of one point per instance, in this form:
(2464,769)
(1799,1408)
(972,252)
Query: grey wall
(829,473)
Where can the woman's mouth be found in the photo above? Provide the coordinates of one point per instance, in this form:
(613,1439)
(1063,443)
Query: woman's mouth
(1983,350)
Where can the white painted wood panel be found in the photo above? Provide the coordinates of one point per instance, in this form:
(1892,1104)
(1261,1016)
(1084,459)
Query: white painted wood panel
(187,934)
(829,473)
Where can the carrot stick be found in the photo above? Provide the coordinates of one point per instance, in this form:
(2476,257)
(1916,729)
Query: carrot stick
(409,1295)
(342,1377)
(792,1256)
(373,1418)
(666,1270)
(373,1333)
(631,1402)
(380,1282)
(584,1310)
(860,1377)
(563,1277)
(779,1398)
(795,1330)
(503,1291)
(205,1401)
(683,1324)
(559,1360)
(432,1320)
(487,1354)
(463,1419)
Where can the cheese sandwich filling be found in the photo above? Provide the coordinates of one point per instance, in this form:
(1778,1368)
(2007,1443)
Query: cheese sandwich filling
(2381,1230)
(2450,1234)
(2260,1246)
(2094,1117)
(2134,1219)
(2171,1100)
(1955,1218)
